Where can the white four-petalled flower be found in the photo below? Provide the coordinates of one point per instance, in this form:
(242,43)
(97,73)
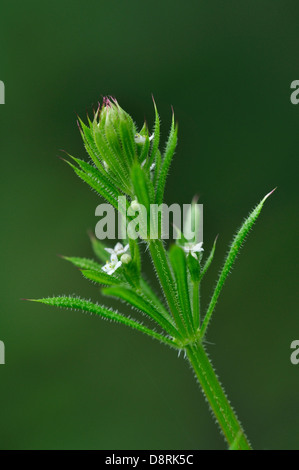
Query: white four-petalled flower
(192,249)
(111,266)
(119,249)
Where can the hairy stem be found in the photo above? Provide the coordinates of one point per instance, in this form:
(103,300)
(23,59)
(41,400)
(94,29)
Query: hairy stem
(196,305)
(213,391)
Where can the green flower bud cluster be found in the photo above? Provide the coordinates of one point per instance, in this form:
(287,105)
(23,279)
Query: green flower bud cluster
(114,145)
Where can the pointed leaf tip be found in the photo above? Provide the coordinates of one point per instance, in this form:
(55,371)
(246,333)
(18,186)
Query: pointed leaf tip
(269,194)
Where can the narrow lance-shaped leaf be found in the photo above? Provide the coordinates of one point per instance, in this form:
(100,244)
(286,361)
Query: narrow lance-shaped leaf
(143,187)
(83,263)
(138,301)
(144,151)
(168,285)
(232,254)
(156,140)
(178,262)
(148,292)
(110,184)
(89,144)
(168,155)
(127,133)
(101,277)
(77,303)
(96,184)
(209,260)
(157,168)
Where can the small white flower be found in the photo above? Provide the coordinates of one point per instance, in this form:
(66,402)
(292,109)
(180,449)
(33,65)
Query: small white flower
(112,266)
(140,139)
(192,249)
(119,249)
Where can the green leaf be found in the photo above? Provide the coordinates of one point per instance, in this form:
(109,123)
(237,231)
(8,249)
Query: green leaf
(167,158)
(144,191)
(84,263)
(110,184)
(144,151)
(157,168)
(178,262)
(127,133)
(101,277)
(99,248)
(89,144)
(156,139)
(97,185)
(148,292)
(76,303)
(209,260)
(143,187)
(237,242)
(139,302)
(168,285)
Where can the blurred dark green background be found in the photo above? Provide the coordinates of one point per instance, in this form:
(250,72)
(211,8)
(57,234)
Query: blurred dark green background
(72,381)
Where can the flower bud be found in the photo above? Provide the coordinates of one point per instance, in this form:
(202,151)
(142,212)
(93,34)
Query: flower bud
(118,129)
(126,259)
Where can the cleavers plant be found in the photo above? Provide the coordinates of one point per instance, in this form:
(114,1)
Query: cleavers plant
(128,163)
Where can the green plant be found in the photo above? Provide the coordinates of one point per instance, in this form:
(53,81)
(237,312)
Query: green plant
(127,163)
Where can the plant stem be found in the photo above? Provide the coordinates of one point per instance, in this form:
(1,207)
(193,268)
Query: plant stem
(196,305)
(216,397)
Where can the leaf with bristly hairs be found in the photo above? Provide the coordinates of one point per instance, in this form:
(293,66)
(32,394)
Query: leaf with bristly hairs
(97,185)
(76,303)
(138,301)
(177,259)
(237,243)
(167,158)
(143,186)
(91,148)
(156,141)
(127,133)
(106,179)
(208,261)
(83,263)
(100,277)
